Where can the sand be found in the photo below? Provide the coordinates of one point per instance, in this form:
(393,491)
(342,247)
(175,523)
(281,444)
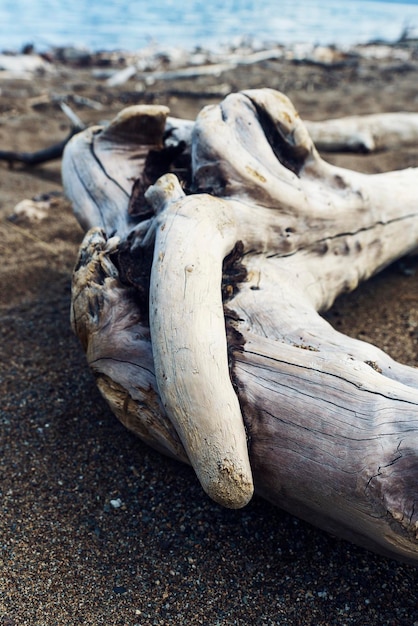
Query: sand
(95,527)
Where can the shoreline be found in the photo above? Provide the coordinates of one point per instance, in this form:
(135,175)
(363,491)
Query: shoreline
(243,45)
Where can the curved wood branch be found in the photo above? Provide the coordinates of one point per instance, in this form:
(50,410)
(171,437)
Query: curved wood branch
(189,341)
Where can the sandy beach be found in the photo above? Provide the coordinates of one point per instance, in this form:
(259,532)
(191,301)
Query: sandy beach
(96,528)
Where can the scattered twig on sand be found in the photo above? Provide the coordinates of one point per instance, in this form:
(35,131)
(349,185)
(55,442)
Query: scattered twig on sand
(51,152)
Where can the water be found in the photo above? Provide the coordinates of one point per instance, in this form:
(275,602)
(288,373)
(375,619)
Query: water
(132,24)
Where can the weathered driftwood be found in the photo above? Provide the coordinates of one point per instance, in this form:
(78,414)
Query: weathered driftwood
(365,133)
(197,305)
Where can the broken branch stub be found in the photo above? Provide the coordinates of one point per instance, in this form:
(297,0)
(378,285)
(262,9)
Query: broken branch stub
(214,299)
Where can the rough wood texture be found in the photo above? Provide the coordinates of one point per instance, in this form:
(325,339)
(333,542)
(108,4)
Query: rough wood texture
(199,311)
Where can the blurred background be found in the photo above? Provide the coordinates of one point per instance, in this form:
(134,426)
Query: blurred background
(127,25)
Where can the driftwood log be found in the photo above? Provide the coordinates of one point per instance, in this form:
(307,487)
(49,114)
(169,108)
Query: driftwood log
(196,296)
(365,133)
